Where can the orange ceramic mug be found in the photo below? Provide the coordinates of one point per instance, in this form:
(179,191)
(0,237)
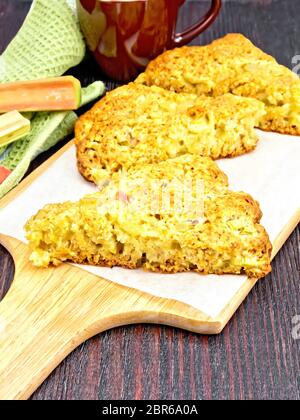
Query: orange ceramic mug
(124,35)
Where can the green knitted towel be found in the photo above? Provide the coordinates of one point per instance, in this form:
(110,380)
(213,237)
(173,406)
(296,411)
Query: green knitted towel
(47,45)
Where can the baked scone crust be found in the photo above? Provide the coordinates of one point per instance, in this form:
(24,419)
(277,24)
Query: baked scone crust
(115,228)
(232,65)
(139,124)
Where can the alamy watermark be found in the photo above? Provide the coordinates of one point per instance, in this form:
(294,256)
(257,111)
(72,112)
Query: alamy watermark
(296,327)
(159,197)
(296,64)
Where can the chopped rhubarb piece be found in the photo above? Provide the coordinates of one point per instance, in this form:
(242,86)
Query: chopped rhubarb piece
(13,126)
(58,94)
(121,196)
(4,173)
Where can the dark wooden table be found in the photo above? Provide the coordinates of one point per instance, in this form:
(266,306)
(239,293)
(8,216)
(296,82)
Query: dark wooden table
(256,357)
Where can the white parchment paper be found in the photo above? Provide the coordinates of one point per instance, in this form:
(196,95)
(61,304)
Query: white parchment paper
(271,174)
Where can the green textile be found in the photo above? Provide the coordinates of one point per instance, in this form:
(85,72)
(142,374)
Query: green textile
(47,45)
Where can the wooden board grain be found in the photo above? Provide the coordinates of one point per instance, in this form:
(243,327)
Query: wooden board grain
(48,313)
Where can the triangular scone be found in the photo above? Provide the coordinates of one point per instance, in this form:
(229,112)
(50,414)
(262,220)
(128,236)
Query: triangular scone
(139,124)
(232,65)
(172,217)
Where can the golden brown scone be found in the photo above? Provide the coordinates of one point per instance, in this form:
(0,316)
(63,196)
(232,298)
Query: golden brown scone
(139,124)
(232,64)
(144,222)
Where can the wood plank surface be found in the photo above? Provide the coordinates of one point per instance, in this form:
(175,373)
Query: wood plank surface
(256,357)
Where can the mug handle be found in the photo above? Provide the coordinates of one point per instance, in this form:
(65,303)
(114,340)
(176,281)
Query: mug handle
(187,36)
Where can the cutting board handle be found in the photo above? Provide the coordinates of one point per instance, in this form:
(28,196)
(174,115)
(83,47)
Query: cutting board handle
(47,313)
(44,316)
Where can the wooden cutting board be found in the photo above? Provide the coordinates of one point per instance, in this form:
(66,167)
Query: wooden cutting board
(47,313)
